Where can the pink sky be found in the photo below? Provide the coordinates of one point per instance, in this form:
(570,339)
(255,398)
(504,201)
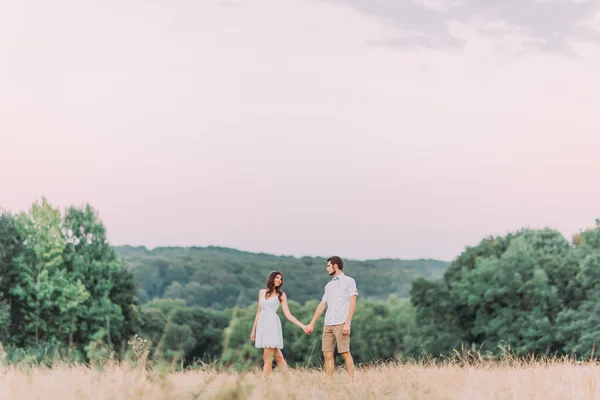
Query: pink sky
(278,126)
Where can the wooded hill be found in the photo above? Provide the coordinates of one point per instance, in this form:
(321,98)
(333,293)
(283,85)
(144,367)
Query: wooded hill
(220,277)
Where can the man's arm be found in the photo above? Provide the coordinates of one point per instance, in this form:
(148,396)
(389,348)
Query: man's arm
(320,308)
(346,328)
(352,292)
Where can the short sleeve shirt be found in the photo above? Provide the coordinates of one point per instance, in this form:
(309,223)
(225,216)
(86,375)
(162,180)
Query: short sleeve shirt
(337,295)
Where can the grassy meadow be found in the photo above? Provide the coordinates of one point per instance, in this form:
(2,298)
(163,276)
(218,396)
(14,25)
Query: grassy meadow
(514,379)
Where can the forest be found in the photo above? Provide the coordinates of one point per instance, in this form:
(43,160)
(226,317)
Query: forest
(222,278)
(66,292)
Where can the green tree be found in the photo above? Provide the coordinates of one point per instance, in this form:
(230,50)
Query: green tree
(90,259)
(505,291)
(514,300)
(207,328)
(11,244)
(174,291)
(579,323)
(436,318)
(50,299)
(123,295)
(108,314)
(176,330)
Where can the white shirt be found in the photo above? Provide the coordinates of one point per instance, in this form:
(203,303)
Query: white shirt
(337,295)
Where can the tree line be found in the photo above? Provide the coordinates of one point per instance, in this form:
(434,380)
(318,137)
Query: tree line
(65,289)
(531,293)
(221,278)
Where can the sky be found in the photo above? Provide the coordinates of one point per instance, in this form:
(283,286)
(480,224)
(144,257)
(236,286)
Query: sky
(361,128)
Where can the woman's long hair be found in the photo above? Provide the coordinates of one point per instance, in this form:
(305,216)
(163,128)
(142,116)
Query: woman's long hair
(271,284)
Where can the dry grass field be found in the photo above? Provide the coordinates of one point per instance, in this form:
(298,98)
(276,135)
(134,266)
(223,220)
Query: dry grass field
(484,380)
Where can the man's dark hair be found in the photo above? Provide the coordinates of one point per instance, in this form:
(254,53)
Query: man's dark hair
(337,261)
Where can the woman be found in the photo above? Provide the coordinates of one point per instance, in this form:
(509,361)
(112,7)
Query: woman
(266,331)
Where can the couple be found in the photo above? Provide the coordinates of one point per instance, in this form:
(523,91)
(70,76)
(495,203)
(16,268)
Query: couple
(340,300)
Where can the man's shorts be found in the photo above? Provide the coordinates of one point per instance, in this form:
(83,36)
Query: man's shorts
(332,334)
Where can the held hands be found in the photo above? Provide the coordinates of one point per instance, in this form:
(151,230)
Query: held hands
(308,329)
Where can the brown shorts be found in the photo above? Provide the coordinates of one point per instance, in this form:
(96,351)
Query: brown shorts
(332,334)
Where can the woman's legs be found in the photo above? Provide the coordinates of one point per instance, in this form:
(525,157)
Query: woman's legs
(282,364)
(268,360)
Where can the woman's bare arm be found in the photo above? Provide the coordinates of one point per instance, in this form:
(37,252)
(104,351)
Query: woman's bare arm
(288,314)
(253,333)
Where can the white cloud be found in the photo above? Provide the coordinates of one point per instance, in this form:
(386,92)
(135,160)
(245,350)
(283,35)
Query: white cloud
(439,5)
(542,25)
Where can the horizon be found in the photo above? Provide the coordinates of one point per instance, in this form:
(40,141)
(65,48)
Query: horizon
(297,256)
(274,254)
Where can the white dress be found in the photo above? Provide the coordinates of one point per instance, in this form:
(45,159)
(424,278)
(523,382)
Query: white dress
(268,327)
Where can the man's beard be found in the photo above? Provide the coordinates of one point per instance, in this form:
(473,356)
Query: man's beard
(331,273)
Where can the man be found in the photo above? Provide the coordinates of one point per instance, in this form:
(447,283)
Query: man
(340,299)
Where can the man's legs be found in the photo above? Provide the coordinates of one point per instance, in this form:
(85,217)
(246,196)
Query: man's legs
(329,364)
(343,346)
(327,345)
(349,363)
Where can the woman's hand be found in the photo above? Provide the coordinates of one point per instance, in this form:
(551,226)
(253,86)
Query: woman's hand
(253,335)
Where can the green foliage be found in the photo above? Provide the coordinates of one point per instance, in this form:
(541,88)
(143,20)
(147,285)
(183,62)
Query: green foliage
(178,331)
(62,284)
(67,294)
(64,294)
(579,324)
(50,298)
(436,319)
(90,259)
(532,291)
(11,245)
(223,278)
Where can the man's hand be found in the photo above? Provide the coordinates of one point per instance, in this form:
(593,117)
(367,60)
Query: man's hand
(309,328)
(346,329)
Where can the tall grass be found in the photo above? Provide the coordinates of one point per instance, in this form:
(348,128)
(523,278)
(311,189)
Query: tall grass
(463,376)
